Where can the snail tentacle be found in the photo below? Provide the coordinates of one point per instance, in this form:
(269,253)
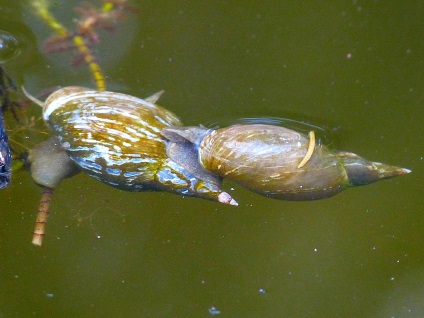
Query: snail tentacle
(155,97)
(32,98)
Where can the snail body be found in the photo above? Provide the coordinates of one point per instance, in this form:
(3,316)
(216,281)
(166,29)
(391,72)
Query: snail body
(116,138)
(50,164)
(278,162)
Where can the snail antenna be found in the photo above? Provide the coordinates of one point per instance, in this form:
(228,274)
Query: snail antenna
(32,98)
(153,99)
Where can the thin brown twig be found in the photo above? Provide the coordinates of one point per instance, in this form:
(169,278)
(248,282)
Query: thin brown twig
(42,216)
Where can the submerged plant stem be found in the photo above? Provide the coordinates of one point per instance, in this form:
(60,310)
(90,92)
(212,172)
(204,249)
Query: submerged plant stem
(43,11)
(42,216)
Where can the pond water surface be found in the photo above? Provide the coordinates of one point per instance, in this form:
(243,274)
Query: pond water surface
(354,66)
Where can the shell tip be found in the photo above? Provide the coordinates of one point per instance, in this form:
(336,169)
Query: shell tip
(224,197)
(404,171)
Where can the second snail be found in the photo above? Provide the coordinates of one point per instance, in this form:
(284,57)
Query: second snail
(135,145)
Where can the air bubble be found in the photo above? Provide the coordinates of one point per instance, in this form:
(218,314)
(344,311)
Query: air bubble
(9,46)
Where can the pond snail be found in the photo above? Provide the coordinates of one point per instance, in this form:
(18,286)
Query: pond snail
(135,145)
(278,162)
(116,138)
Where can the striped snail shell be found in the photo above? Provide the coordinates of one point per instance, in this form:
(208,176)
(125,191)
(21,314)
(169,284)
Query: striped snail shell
(116,138)
(278,162)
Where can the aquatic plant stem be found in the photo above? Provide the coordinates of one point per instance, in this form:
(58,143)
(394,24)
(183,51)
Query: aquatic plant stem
(43,11)
(42,216)
(94,67)
(108,6)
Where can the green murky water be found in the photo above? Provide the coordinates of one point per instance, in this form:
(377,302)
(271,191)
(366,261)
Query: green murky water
(355,66)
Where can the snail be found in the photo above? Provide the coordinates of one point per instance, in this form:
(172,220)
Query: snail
(135,145)
(116,138)
(278,162)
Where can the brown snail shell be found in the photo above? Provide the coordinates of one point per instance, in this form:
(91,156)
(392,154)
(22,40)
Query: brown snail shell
(278,162)
(116,138)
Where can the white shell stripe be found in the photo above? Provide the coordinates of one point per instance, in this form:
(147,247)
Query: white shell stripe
(63,100)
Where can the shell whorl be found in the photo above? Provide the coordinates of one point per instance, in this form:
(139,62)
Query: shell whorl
(60,98)
(112,136)
(266,159)
(82,95)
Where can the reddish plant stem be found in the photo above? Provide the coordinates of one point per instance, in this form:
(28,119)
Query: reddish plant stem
(42,215)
